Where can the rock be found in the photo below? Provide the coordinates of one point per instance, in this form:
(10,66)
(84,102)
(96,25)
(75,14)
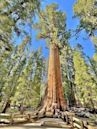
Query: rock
(87,114)
(93,111)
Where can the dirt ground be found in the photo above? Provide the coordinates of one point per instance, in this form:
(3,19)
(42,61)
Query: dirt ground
(26,126)
(37,125)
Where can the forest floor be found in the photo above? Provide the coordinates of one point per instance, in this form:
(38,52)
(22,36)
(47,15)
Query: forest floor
(50,123)
(26,126)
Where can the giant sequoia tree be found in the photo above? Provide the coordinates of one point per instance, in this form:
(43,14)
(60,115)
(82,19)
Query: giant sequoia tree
(52,27)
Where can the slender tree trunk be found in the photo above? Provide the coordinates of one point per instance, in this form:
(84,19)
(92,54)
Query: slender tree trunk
(72,100)
(6,106)
(55,97)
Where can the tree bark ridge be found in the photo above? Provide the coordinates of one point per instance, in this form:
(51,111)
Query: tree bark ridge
(55,96)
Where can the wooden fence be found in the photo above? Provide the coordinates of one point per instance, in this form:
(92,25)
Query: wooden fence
(68,117)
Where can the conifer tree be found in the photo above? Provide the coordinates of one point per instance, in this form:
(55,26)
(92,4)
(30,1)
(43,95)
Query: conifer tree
(86,11)
(68,74)
(12,14)
(52,27)
(84,80)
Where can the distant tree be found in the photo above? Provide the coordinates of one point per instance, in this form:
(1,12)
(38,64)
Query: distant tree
(12,14)
(86,11)
(68,74)
(29,83)
(84,80)
(21,80)
(13,66)
(13,58)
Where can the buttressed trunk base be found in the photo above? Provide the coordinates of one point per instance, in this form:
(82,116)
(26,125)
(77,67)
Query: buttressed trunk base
(54,100)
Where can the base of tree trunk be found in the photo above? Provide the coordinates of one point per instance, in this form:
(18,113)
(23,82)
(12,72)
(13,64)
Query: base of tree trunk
(50,111)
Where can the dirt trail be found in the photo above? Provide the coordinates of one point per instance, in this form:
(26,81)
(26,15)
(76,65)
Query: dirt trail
(26,126)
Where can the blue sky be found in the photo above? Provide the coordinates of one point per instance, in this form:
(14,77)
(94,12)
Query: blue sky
(66,6)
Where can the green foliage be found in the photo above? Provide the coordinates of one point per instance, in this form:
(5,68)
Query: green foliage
(86,73)
(21,76)
(85,84)
(12,13)
(52,25)
(29,83)
(13,66)
(86,10)
(13,60)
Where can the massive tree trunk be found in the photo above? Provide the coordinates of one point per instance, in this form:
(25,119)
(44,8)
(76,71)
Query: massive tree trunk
(54,99)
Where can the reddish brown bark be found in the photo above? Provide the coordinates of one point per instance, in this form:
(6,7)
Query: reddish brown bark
(55,95)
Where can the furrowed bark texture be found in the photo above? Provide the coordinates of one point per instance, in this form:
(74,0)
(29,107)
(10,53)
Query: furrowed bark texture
(54,99)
